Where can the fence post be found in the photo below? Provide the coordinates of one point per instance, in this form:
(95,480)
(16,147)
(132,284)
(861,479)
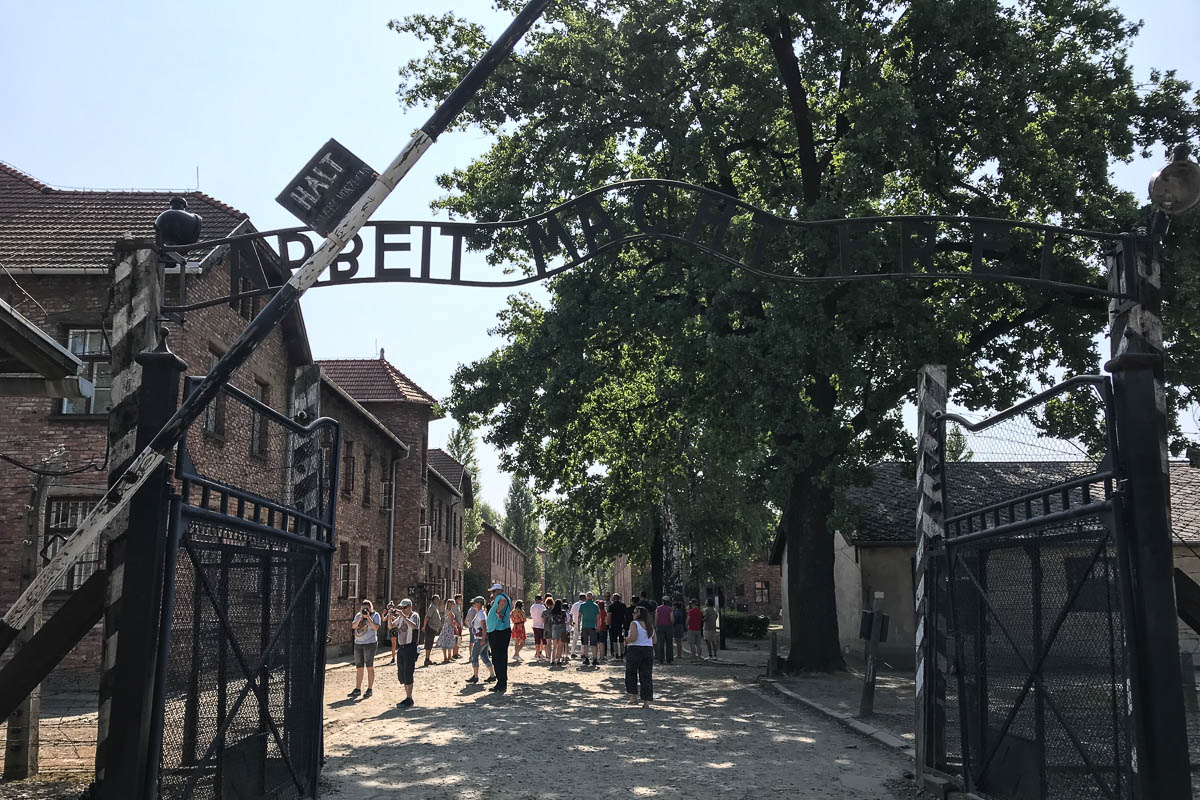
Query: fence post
(930,676)
(866,705)
(1137,368)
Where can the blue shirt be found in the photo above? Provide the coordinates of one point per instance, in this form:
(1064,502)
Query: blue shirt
(499,621)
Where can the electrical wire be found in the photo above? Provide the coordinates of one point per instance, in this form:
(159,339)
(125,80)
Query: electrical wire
(57,473)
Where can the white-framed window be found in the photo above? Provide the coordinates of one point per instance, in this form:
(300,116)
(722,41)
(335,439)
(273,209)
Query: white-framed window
(385,489)
(425,539)
(62,518)
(91,346)
(348,582)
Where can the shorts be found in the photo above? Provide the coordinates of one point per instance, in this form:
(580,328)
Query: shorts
(364,654)
(558,633)
(615,635)
(538,635)
(588,636)
(406,662)
(710,636)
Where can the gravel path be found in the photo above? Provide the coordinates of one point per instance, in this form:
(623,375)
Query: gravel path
(565,732)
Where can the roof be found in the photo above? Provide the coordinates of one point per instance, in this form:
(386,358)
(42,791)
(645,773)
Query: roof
(364,413)
(885,511)
(375,380)
(24,347)
(43,227)
(453,473)
(489,526)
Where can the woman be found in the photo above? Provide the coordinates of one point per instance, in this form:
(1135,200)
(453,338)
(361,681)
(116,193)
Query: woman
(447,635)
(678,628)
(479,642)
(639,657)
(548,630)
(387,618)
(558,633)
(517,619)
(602,631)
(458,623)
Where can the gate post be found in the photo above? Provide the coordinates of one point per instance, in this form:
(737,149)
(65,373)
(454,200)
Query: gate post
(930,674)
(1141,420)
(145,394)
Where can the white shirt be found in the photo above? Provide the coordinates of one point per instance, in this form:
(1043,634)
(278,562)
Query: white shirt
(575,610)
(479,624)
(642,638)
(535,614)
(408,635)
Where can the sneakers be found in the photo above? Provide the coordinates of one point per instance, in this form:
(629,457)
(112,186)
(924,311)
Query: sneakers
(585,661)
(473,679)
(355,693)
(498,689)
(367,693)
(489,680)
(408,701)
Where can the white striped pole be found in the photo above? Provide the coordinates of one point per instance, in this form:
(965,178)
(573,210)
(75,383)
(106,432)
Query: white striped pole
(116,499)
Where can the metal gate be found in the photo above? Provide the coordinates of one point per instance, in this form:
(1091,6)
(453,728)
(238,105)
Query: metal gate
(242,661)
(1033,600)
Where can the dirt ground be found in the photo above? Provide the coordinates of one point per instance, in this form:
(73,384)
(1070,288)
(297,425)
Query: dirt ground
(564,732)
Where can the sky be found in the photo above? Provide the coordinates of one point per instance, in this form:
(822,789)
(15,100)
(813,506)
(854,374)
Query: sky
(235,97)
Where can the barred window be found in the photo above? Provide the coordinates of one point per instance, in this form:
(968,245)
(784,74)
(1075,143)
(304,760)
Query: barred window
(258,422)
(214,412)
(366,498)
(348,585)
(62,518)
(348,468)
(762,592)
(91,346)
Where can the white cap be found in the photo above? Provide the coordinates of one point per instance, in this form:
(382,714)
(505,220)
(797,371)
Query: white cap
(496,588)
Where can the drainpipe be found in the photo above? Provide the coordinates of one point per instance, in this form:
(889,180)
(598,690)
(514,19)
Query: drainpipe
(391,548)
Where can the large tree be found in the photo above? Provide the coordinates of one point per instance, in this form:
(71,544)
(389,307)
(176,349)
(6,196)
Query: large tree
(521,527)
(812,111)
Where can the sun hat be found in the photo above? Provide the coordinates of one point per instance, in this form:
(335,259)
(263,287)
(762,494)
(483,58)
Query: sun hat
(478,599)
(496,588)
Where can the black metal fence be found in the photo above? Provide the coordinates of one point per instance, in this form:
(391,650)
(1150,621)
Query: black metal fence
(1033,600)
(241,672)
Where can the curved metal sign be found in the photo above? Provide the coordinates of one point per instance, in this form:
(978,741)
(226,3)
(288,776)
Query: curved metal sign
(737,233)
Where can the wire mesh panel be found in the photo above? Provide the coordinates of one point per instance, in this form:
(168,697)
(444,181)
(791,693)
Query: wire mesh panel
(1037,589)
(252,542)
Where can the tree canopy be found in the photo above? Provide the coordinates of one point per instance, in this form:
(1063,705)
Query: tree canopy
(657,384)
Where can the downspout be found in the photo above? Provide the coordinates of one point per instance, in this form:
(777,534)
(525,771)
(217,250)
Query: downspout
(391,547)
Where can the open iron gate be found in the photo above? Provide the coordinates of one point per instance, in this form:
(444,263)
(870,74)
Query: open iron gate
(242,661)
(1033,601)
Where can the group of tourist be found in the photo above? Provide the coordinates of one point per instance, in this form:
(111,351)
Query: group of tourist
(593,630)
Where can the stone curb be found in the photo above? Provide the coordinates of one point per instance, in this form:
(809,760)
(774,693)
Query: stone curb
(881,736)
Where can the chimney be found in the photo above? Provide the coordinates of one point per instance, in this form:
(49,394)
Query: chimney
(381,354)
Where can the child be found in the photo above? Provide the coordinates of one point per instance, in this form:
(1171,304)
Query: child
(517,618)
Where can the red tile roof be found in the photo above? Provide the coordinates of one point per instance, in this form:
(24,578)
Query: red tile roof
(45,227)
(374,380)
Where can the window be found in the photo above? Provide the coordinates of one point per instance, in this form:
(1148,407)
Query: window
(385,486)
(380,573)
(348,469)
(247,307)
(438,518)
(348,585)
(425,539)
(740,590)
(258,422)
(366,498)
(762,592)
(364,558)
(91,345)
(62,518)
(214,412)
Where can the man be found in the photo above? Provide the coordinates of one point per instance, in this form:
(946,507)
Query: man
(539,626)
(709,622)
(588,611)
(617,624)
(432,626)
(499,631)
(405,625)
(477,623)
(575,629)
(663,621)
(366,641)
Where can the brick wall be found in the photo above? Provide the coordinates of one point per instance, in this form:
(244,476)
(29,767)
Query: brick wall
(501,561)
(442,566)
(768,599)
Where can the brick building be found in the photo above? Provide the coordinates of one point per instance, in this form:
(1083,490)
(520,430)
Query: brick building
(500,561)
(450,495)
(57,247)
(757,588)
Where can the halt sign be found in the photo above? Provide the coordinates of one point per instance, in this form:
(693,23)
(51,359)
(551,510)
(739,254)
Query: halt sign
(330,183)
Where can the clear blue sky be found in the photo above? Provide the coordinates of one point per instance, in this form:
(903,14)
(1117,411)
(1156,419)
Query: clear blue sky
(138,94)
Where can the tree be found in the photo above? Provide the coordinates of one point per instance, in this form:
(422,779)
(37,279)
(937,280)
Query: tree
(461,446)
(812,111)
(521,528)
(956,445)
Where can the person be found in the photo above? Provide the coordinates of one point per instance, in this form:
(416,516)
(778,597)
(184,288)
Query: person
(499,633)
(617,625)
(388,616)
(536,612)
(602,630)
(477,622)
(467,618)
(678,628)
(558,633)
(366,642)
(458,623)
(518,629)
(639,658)
(710,627)
(406,626)
(650,606)
(575,629)
(588,611)
(432,626)
(664,618)
(446,636)
(695,619)
(548,629)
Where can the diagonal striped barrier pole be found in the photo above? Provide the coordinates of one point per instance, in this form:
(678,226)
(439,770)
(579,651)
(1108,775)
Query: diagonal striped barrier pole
(143,466)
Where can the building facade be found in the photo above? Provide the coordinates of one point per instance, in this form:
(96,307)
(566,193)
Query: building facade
(450,495)
(500,561)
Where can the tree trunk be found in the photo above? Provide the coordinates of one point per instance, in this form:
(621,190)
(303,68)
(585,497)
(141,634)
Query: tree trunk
(656,557)
(812,607)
